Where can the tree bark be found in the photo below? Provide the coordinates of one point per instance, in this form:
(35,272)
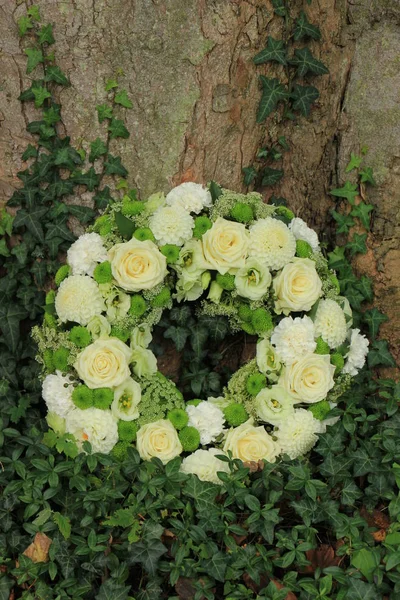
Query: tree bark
(187,65)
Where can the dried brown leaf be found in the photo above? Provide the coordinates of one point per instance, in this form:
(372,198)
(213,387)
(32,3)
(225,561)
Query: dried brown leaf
(38,551)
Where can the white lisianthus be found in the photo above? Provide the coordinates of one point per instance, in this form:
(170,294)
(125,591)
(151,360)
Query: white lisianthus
(253,280)
(126,400)
(192,259)
(208,419)
(99,327)
(190,196)
(141,336)
(84,254)
(309,379)
(117,302)
(158,439)
(268,360)
(251,444)
(225,245)
(189,286)
(357,353)
(273,405)
(294,338)
(297,287)
(330,323)
(144,363)
(302,231)
(298,434)
(78,299)
(205,464)
(137,265)
(105,363)
(95,426)
(272,242)
(171,225)
(57,393)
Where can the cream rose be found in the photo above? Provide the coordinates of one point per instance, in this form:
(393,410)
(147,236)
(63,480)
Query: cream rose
(297,287)
(137,265)
(158,439)
(225,245)
(249,443)
(253,280)
(309,379)
(105,363)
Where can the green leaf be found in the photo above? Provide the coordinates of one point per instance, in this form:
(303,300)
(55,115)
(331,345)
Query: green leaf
(63,524)
(202,492)
(111,590)
(4,250)
(113,166)
(54,73)
(125,226)
(279,7)
(214,190)
(303,97)
(249,175)
(6,585)
(57,229)
(117,129)
(362,212)
(147,553)
(337,258)
(366,561)
(252,502)
(355,162)
(304,28)
(366,176)
(178,335)
(216,566)
(35,57)
(24,24)
(33,11)
(273,91)
(39,272)
(380,355)
(103,198)
(307,63)
(110,84)
(97,149)
(350,493)
(84,214)
(365,286)
(344,222)
(52,115)
(121,98)
(359,590)
(271,176)
(104,112)
(10,318)
(90,179)
(393,561)
(274,51)
(45,34)
(374,319)
(357,244)
(32,221)
(41,94)
(349,191)
(30,152)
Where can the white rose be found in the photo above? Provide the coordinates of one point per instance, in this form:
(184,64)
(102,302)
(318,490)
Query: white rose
(225,245)
(158,439)
(267,359)
(297,287)
(126,399)
(273,405)
(205,464)
(251,444)
(309,379)
(105,363)
(137,265)
(253,280)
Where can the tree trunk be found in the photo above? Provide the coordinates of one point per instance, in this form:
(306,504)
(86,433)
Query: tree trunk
(187,65)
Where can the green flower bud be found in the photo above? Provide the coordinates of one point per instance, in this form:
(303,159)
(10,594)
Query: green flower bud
(201,225)
(132,207)
(227,281)
(138,305)
(338,361)
(60,359)
(235,414)
(120,451)
(127,431)
(143,234)
(178,417)
(50,297)
(82,397)
(102,272)
(162,299)
(80,336)
(255,383)
(50,320)
(102,398)
(121,333)
(261,320)
(320,409)
(171,253)
(189,438)
(242,213)
(245,312)
(194,402)
(48,360)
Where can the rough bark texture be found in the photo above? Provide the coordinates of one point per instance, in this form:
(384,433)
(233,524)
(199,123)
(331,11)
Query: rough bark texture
(187,65)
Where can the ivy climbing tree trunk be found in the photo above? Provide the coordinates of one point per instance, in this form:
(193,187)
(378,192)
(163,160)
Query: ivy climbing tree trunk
(187,65)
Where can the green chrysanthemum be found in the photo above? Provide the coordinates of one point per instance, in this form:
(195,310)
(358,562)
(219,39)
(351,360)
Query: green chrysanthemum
(245,312)
(235,414)
(320,409)
(120,451)
(201,225)
(178,417)
(322,347)
(82,397)
(261,320)
(102,272)
(171,253)
(138,305)
(242,213)
(132,207)
(127,431)
(105,229)
(60,359)
(122,333)
(255,383)
(61,274)
(102,398)
(248,328)
(227,281)
(162,299)
(189,438)
(80,336)
(303,249)
(194,402)
(338,361)
(143,234)
(101,222)
(285,212)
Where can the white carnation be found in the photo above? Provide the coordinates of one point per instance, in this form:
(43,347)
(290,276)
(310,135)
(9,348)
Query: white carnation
(171,225)
(190,196)
(207,419)
(302,231)
(357,353)
(330,323)
(205,465)
(79,299)
(272,242)
(95,426)
(297,435)
(86,253)
(293,338)
(57,393)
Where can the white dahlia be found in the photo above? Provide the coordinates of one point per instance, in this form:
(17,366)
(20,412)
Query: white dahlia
(297,434)
(79,299)
(205,464)
(190,196)
(272,242)
(357,353)
(57,393)
(208,419)
(95,426)
(330,323)
(293,338)
(302,231)
(86,253)
(171,225)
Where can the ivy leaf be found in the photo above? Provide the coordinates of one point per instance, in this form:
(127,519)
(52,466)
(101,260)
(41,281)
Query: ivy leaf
(63,524)
(90,179)
(214,190)
(111,590)
(337,258)
(35,57)
(52,115)
(366,176)
(307,63)
(39,272)
(304,28)
(304,97)
(10,318)
(4,250)
(118,129)
(249,175)
(122,98)
(24,24)
(54,73)
(355,162)
(40,93)
(32,221)
(349,191)
(6,585)
(113,166)
(271,176)
(216,566)
(111,84)
(103,198)
(273,92)
(147,553)
(374,319)
(58,229)
(357,244)
(33,11)
(362,211)
(125,226)
(104,112)
(61,187)
(344,222)
(380,355)
(45,34)
(178,335)
(30,152)
(274,51)
(358,590)
(365,286)
(84,214)
(97,149)
(279,7)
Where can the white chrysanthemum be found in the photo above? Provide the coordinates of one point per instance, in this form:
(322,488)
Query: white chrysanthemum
(207,419)
(171,225)
(95,426)
(293,338)
(302,231)
(357,352)
(57,393)
(272,242)
(297,435)
(79,299)
(205,465)
(190,196)
(86,253)
(330,323)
